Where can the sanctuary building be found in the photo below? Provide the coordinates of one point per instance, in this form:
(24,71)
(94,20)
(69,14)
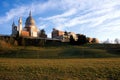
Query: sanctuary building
(29,30)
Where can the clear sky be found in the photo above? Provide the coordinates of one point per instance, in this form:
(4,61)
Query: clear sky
(94,18)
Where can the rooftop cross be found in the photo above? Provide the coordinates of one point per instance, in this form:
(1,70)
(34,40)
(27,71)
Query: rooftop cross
(30,13)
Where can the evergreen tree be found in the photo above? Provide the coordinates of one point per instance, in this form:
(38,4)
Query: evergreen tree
(43,34)
(72,40)
(95,40)
(81,39)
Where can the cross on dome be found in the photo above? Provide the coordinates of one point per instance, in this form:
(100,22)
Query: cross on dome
(30,13)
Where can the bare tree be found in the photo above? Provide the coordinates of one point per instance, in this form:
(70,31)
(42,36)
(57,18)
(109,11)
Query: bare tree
(117,41)
(107,41)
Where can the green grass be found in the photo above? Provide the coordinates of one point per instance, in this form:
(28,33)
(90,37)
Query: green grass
(87,62)
(56,52)
(60,69)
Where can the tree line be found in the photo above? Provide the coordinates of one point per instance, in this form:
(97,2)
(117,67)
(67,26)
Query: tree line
(82,39)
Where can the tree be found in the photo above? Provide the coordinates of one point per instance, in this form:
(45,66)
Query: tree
(72,40)
(66,33)
(23,41)
(11,41)
(81,39)
(42,42)
(43,34)
(107,41)
(42,31)
(95,40)
(89,39)
(117,41)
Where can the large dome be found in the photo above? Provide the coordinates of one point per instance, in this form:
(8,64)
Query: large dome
(30,24)
(29,21)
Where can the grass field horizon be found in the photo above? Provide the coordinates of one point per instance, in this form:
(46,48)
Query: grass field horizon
(86,62)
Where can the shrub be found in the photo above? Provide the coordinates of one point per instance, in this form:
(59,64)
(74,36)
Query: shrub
(4,44)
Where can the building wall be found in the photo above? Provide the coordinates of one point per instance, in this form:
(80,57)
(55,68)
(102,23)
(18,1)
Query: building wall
(74,35)
(62,36)
(25,33)
(57,34)
(14,30)
(34,34)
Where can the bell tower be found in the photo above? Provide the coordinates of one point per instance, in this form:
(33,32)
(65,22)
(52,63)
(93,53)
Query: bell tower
(13,25)
(20,25)
(13,28)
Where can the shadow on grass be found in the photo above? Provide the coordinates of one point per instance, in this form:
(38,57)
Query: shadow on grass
(58,53)
(85,53)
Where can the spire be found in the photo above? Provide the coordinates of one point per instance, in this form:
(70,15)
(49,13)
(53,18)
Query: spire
(20,19)
(20,25)
(13,24)
(30,13)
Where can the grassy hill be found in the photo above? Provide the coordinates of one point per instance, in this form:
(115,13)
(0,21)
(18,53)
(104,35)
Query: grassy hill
(62,51)
(60,62)
(86,51)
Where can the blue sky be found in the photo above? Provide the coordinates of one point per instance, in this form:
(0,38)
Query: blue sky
(94,18)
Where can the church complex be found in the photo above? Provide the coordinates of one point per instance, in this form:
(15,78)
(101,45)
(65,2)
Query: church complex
(30,29)
(34,36)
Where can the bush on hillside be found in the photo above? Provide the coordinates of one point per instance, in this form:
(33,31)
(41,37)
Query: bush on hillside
(4,44)
(80,41)
(72,40)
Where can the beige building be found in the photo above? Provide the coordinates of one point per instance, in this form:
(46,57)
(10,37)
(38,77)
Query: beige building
(92,40)
(57,34)
(63,36)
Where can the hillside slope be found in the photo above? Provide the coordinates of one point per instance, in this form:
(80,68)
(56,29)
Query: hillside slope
(57,52)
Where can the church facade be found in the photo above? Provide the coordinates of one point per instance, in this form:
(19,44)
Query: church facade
(29,30)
